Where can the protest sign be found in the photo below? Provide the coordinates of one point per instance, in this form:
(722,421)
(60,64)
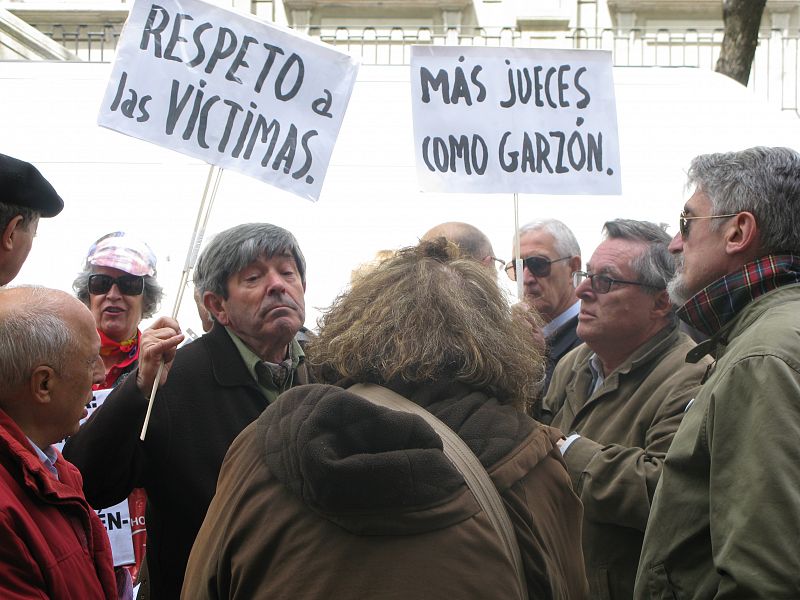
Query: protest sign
(514,120)
(230,90)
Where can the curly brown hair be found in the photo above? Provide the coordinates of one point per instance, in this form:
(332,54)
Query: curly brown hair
(427,315)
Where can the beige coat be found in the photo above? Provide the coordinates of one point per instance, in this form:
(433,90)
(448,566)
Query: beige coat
(626,426)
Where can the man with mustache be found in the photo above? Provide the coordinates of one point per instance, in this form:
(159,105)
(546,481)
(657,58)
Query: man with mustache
(620,396)
(726,513)
(252,280)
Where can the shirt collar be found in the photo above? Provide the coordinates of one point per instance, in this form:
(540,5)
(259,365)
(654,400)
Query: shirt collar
(255,366)
(48,456)
(716,305)
(556,324)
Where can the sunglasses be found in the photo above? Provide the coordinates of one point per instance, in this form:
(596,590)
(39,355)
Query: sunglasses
(129,285)
(683,221)
(539,266)
(601,284)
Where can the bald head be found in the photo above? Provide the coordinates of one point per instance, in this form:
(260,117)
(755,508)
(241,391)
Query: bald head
(471,241)
(49,358)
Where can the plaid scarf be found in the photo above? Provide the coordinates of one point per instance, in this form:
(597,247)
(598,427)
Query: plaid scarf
(714,306)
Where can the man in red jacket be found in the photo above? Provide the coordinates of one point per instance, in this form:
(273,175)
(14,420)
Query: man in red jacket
(53,543)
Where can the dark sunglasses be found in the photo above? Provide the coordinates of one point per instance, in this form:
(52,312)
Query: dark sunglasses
(539,266)
(130,285)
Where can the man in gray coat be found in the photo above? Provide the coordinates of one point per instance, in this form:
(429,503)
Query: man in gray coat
(726,514)
(621,396)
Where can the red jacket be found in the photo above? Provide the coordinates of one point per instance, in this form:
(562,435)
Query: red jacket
(52,544)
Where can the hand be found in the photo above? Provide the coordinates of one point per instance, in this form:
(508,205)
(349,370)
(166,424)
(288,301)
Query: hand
(158,344)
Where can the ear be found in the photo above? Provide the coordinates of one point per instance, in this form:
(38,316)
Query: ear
(216,306)
(574,264)
(741,235)
(7,241)
(662,305)
(42,381)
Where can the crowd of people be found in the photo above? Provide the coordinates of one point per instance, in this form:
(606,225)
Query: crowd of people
(626,431)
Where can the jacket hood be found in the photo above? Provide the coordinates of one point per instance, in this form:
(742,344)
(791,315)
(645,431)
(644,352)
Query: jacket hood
(375,470)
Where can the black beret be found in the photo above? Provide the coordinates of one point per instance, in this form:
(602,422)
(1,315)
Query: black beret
(23,185)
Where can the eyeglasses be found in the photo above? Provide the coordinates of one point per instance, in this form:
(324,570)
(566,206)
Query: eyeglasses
(537,265)
(499,263)
(683,226)
(130,285)
(601,284)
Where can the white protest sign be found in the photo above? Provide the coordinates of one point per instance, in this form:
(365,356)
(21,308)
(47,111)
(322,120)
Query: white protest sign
(514,120)
(117,518)
(230,90)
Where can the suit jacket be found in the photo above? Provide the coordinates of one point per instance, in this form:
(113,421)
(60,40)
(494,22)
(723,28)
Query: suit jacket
(558,344)
(208,399)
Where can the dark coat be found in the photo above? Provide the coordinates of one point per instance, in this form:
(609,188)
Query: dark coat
(560,343)
(207,400)
(52,544)
(330,496)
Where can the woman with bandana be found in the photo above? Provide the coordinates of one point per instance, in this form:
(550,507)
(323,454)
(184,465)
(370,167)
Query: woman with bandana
(118,284)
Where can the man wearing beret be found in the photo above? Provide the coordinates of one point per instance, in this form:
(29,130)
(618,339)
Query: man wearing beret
(25,195)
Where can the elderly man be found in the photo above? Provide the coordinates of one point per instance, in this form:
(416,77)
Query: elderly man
(726,515)
(621,396)
(53,544)
(470,240)
(550,254)
(252,280)
(24,197)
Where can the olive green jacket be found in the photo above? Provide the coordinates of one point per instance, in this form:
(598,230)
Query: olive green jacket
(626,427)
(725,521)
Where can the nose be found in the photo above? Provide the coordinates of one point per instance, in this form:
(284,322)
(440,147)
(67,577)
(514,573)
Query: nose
(676,245)
(584,289)
(113,292)
(276,284)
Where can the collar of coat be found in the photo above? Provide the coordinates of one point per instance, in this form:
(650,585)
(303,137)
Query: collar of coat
(717,304)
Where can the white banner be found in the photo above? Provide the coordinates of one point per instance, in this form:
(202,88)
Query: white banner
(514,120)
(230,90)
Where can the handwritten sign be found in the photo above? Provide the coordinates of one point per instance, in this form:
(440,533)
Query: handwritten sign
(514,120)
(229,90)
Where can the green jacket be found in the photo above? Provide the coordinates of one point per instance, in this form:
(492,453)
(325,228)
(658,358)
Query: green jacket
(626,427)
(726,517)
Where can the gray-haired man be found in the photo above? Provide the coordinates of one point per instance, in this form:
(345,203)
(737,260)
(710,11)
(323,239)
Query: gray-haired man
(621,396)
(726,515)
(252,280)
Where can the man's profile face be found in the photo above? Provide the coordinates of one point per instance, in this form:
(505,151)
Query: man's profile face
(553,294)
(621,316)
(699,254)
(72,388)
(265,301)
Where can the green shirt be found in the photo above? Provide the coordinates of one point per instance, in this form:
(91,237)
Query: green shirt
(261,373)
